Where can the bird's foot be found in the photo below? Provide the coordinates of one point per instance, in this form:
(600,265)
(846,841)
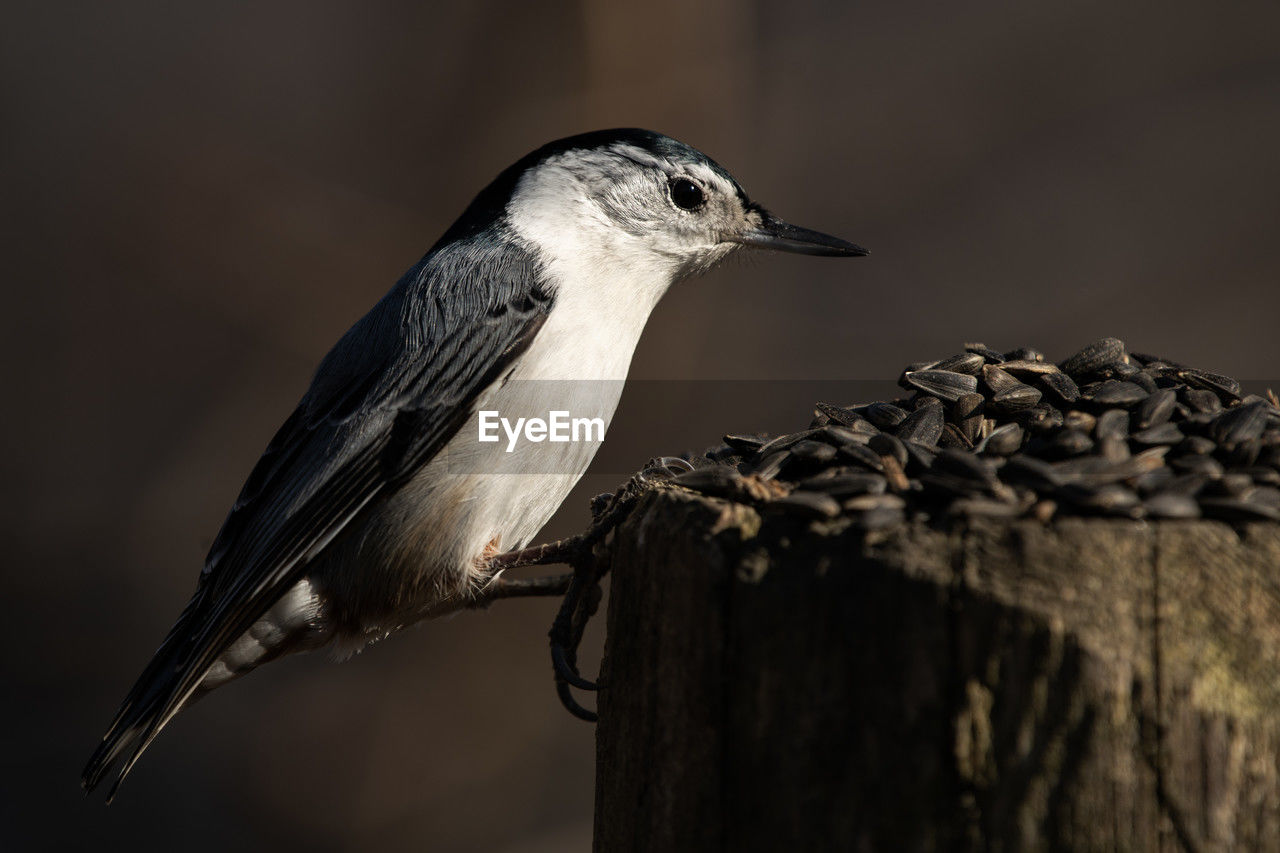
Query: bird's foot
(579,605)
(560,551)
(491,567)
(581,592)
(581,588)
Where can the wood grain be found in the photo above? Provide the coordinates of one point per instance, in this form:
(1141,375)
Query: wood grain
(777,684)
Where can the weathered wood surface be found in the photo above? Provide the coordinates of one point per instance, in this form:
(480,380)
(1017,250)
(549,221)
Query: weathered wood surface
(775,684)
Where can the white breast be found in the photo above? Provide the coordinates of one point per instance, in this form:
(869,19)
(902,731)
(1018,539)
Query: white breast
(474,493)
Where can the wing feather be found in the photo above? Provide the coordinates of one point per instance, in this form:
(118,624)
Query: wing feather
(385,400)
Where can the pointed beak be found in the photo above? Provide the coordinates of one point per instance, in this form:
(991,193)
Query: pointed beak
(773,233)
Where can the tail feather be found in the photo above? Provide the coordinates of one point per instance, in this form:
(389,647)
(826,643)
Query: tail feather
(140,719)
(297,622)
(127,736)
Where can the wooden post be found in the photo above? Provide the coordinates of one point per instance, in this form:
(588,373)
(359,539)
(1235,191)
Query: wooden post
(772,683)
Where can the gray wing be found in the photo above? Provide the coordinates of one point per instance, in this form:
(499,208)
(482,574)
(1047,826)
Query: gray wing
(397,386)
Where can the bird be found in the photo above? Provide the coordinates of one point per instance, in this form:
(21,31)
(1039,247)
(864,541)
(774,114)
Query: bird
(377,504)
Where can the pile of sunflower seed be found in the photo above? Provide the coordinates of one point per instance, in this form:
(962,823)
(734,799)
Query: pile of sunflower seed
(983,433)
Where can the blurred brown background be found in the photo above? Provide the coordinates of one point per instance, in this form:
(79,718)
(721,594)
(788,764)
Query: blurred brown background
(199,198)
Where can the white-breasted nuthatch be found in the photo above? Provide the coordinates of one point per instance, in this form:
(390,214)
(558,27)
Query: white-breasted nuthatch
(376,504)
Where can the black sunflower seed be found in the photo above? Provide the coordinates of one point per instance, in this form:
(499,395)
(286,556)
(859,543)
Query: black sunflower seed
(998,380)
(1235,510)
(861,455)
(924,425)
(942,383)
(1229,485)
(888,445)
(1003,441)
(1270,456)
(769,466)
(810,505)
(1200,400)
(1264,495)
(1039,418)
(1061,387)
(1080,420)
(1227,389)
(1186,484)
(840,414)
(966,362)
(1206,466)
(1030,472)
(884,415)
(1240,423)
(1142,437)
(874,512)
(1171,506)
(1149,360)
(1070,442)
(1029,368)
(924,401)
(1109,499)
(1113,423)
(1144,381)
(712,480)
(1262,474)
(838,436)
(745,444)
(844,485)
(965,465)
(878,519)
(1165,433)
(1113,449)
(1015,399)
(981,507)
(1156,409)
(1154,481)
(966,414)
(1094,357)
(1024,354)
(919,456)
(1113,392)
(812,451)
(965,406)
(717,454)
(1123,370)
(948,485)
(953,437)
(986,352)
(783,442)
(1243,453)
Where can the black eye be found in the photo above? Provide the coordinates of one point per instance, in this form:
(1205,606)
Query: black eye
(686,194)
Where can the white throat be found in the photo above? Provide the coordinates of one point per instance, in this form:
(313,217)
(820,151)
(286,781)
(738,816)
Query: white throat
(606,281)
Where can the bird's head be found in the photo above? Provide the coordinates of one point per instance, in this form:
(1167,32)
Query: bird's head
(637,198)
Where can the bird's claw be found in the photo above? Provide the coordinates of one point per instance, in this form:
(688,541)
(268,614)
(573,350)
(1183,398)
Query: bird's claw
(580,602)
(571,705)
(664,468)
(582,596)
(566,671)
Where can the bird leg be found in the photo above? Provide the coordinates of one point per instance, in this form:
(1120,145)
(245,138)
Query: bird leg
(559,551)
(500,587)
(494,565)
(581,589)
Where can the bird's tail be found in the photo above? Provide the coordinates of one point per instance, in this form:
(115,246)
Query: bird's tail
(297,622)
(142,715)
